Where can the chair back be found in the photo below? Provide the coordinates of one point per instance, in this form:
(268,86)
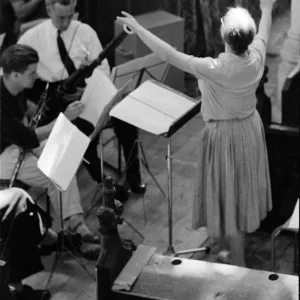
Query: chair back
(293,222)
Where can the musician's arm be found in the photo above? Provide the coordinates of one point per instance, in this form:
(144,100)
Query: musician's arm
(17,133)
(43,132)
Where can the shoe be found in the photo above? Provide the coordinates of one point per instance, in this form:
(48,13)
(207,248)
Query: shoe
(29,293)
(224,257)
(76,224)
(69,241)
(90,251)
(137,188)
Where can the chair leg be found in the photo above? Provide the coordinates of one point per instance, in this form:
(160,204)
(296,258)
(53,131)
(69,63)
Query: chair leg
(296,253)
(119,159)
(273,251)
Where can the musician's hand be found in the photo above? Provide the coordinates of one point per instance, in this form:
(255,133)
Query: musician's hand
(31,109)
(73,110)
(11,198)
(129,21)
(74,96)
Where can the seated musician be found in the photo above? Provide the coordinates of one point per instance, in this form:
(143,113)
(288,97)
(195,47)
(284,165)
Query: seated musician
(22,231)
(19,64)
(64,45)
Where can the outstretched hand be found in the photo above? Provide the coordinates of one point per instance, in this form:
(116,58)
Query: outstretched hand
(128,21)
(13,198)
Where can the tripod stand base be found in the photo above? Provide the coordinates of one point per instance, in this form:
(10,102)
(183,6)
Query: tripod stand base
(171,251)
(202,249)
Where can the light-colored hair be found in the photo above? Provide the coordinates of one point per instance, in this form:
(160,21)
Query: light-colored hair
(239,29)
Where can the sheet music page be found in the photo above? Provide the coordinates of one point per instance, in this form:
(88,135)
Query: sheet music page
(98,93)
(144,117)
(152,107)
(170,102)
(63,152)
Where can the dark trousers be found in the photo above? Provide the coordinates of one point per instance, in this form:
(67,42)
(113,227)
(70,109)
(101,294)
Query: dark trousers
(127,136)
(19,239)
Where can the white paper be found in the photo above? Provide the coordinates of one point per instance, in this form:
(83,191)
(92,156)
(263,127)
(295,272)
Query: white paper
(162,99)
(98,93)
(147,118)
(63,152)
(152,107)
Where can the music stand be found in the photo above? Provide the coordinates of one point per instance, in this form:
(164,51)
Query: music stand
(98,129)
(62,231)
(138,71)
(152,100)
(173,129)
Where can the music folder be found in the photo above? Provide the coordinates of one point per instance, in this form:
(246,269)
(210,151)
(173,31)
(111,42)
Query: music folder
(156,108)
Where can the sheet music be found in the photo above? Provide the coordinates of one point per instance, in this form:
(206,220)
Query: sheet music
(152,107)
(63,152)
(173,104)
(98,93)
(144,117)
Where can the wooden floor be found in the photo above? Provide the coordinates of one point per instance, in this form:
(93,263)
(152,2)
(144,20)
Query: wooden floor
(149,214)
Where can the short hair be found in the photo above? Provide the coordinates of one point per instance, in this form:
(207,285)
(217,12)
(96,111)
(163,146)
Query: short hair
(239,29)
(17,58)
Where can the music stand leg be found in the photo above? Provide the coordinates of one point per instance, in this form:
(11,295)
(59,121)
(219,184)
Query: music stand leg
(62,248)
(145,164)
(170,249)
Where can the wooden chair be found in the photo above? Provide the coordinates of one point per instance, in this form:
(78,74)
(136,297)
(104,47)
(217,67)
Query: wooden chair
(292,225)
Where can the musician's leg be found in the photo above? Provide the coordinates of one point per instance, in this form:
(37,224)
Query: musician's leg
(71,201)
(128,135)
(91,154)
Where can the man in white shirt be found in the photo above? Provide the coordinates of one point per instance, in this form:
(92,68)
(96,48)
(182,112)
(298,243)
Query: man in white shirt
(63,45)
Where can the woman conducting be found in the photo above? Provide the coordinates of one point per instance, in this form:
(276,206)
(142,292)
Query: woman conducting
(232,193)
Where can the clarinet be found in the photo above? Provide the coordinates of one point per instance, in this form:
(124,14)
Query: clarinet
(32,124)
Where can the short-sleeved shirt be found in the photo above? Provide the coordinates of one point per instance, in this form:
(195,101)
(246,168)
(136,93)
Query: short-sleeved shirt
(228,83)
(12,112)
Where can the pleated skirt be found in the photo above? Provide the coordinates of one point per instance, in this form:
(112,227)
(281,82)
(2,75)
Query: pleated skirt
(232,190)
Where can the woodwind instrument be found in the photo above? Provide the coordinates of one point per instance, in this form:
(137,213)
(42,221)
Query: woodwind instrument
(32,124)
(71,81)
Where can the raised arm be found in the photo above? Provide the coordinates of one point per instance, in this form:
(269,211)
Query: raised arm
(265,24)
(165,51)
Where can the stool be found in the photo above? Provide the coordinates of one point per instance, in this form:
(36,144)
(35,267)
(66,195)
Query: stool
(292,225)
